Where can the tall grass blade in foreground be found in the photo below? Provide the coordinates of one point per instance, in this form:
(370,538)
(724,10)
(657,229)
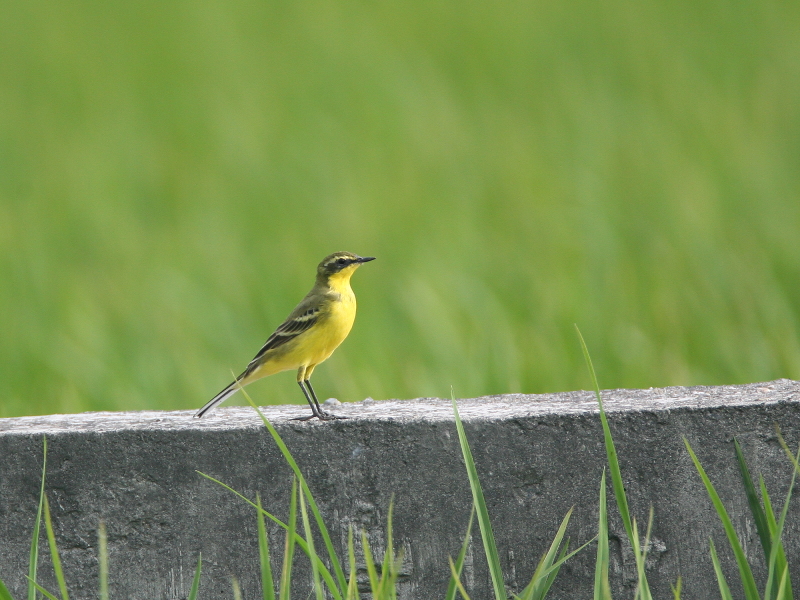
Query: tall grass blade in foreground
(44,592)
(550,564)
(288,551)
(298,540)
(602,588)
(456,569)
(315,580)
(196,580)
(767,527)
(102,558)
(391,564)
(455,577)
(778,585)
(4,593)
(372,572)
(384,585)
(745,573)
(391,561)
(780,558)
(267,585)
(676,589)
(334,560)
(352,583)
(759,516)
(54,556)
(613,464)
(724,590)
(33,559)
(640,556)
(485,525)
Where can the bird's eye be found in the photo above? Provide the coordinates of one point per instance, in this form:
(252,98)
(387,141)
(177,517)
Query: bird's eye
(341,261)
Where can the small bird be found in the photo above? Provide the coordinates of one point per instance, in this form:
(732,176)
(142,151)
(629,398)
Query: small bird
(309,335)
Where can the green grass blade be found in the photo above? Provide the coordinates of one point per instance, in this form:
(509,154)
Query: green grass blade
(33,560)
(485,525)
(543,574)
(267,584)
(388,556)
(601,583)
(637,559)
(777,545)
(676,589)
(237,591)
(640,555)
(370,564)
(54,555)
(454,573)
(452,587)
(783,591)
(317,583)
(769,512)
(554,568)
(759,517)
(41,590)
(4,593)
(102,558)
(547,570)
(391,562)
(745,573)
(611,452)
(780,560)
(288,554)
(724,590)
(196,580)
(324,571)
(352,583)
(326,538)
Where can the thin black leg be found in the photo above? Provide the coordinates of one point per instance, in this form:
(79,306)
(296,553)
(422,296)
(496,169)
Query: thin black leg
(314,408)
(321,414)
(313,395)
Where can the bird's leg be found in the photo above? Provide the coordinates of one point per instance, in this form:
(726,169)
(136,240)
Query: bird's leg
(314,408)
(325,416)
(313,395)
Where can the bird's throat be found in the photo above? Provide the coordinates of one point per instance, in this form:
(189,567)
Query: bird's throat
(340,282)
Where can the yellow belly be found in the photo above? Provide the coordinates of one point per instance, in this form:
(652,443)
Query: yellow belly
(317,344)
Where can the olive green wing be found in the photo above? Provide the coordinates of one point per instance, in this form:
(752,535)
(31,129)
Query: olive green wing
(303,318)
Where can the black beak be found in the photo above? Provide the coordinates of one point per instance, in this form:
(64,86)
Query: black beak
(363,259)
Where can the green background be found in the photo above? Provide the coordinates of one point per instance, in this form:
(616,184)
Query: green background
(172,172)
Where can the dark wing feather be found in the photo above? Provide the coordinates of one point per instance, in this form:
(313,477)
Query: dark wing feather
(287,331)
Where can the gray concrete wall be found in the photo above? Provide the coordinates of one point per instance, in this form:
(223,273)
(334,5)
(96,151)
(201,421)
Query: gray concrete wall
(537,455)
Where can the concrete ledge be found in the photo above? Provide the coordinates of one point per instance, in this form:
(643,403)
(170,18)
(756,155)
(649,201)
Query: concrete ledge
(537,455)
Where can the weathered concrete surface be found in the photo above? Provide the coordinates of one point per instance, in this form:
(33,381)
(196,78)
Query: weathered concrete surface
(537,456)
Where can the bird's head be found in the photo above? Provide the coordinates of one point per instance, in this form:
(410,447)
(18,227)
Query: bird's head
(340,265)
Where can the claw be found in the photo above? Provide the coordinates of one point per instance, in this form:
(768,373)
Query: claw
(323,416)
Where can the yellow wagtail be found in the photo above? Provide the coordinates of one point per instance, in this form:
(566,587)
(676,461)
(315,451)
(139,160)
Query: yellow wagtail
(309,335)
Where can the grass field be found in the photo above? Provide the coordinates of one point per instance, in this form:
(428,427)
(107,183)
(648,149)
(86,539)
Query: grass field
(171,174)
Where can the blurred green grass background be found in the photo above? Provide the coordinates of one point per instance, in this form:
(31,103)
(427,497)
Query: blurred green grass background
(171,174)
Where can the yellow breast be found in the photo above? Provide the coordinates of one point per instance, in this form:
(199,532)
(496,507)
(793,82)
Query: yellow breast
(319,342)
(332,329)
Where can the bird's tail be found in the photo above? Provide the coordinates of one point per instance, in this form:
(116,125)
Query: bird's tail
(219,398)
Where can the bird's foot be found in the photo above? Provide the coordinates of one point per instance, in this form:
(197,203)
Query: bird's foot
(322,416)
(330,417)
(308,418)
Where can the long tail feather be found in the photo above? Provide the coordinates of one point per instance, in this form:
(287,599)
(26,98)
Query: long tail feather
(218,399)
